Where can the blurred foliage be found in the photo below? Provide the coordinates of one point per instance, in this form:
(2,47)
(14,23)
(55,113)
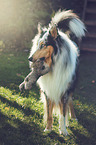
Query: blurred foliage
(19,19)
(2,45)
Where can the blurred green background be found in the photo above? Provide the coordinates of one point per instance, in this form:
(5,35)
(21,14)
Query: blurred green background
(19,19)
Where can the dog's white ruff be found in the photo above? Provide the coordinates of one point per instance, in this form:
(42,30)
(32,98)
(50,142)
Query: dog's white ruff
(55,83)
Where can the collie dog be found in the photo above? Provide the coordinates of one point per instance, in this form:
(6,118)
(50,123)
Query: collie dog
(54,46)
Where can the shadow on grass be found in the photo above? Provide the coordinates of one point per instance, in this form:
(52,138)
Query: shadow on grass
(81,139)
(14,104)
(88,121)
(17,132)
(54,136)
(22,135)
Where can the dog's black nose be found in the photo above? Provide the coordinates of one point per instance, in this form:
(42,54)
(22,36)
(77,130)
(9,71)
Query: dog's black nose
(30,59)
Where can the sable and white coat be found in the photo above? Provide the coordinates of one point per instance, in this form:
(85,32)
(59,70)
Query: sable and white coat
(58,81)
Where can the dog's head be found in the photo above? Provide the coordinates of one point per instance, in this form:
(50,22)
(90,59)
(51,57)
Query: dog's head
(46,45)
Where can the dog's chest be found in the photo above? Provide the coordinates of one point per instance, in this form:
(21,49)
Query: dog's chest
(55,83)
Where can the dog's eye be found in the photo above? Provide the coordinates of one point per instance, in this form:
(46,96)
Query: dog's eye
(42,45)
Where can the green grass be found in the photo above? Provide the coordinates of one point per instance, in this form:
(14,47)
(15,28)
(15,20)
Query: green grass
(21,115)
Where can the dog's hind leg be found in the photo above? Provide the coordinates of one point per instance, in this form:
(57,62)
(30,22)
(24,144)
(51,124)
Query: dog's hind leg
(71,108)
(63,114)
(49,109)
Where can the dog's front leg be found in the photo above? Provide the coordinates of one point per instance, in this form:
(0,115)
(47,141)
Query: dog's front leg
(49,109)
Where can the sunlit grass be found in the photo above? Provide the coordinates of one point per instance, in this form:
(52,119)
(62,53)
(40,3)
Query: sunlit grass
(21,114)
(15,105)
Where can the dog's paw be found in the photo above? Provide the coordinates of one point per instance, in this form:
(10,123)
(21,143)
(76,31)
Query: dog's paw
(47,130)
(63,132)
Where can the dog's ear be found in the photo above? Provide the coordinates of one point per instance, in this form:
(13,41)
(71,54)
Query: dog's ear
(39,28)
(54,32)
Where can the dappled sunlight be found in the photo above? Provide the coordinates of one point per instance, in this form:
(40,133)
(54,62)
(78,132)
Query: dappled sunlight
(19,117)
(10,21)
(29,111)
(15,106)
(19,20)
(7,12)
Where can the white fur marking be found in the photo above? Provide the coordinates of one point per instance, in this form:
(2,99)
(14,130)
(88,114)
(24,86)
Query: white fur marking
(77,27)
(62,125)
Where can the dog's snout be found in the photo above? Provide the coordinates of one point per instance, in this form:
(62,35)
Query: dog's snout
(30,58)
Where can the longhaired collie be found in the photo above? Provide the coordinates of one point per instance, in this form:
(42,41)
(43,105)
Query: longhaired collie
(54,46)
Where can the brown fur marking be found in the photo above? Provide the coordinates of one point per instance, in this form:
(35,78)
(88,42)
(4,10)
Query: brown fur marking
(67,104)
(63,106)
(44,52)
(71,108)
(49,106)
(53,32)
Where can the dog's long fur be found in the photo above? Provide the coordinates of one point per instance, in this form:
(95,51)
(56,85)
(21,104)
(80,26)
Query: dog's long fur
(57,85)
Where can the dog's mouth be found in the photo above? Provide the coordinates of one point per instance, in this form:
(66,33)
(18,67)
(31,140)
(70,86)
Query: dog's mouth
(39,69)
(42,60)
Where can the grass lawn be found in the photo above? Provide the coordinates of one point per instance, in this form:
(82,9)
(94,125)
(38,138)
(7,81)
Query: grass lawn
(21,115)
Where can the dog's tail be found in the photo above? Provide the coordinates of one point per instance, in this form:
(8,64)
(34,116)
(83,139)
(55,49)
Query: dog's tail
(67,20)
